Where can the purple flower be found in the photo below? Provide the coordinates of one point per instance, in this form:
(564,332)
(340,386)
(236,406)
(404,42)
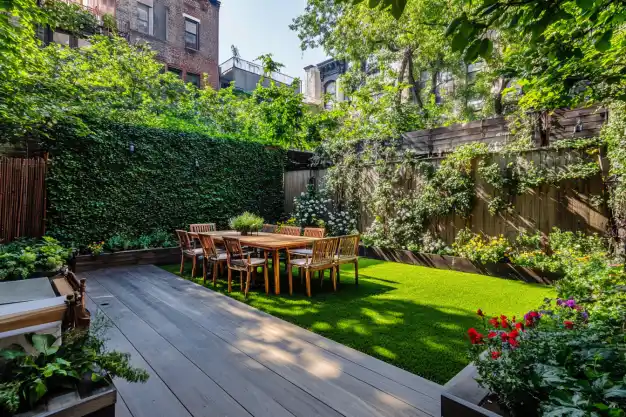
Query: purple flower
(559,302)
(570,303)
(584,315)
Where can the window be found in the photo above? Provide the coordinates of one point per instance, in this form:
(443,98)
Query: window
(143,18)
(61,38)
(176,72)
(191,33)
(193,79)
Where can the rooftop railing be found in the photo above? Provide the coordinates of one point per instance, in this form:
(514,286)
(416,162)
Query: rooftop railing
(255,69)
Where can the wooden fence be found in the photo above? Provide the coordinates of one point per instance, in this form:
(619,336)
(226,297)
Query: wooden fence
(22,197)
(572,205)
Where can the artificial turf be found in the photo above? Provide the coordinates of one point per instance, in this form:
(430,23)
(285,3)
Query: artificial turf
(413,317)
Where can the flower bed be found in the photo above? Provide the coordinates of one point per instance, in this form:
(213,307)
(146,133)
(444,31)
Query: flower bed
(155,256)
(456,263)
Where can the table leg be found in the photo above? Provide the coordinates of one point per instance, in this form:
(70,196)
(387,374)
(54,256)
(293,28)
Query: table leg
(276,267)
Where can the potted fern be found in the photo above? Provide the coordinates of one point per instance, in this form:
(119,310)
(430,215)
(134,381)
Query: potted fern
(246,223)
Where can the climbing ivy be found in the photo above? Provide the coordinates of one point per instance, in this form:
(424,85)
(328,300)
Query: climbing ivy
(70,17)
(98,188)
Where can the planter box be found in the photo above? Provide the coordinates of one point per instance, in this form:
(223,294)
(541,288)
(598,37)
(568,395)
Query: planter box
(455,263)
(463,397)
(159,256)
(98,403)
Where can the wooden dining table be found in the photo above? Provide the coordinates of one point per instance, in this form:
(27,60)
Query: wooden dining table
(271,242)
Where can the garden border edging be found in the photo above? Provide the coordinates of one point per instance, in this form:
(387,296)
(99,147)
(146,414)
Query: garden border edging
(456,263)
(154,256)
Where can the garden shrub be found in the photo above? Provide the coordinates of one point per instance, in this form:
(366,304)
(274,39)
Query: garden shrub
(22,257)
(314,209)
(98,188)
(480,248)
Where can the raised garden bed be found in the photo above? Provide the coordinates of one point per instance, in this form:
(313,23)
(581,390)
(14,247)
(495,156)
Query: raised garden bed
(463,397)
(92,403)
(156,256)
(455,263)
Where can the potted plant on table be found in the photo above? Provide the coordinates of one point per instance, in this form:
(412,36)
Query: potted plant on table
(246,223)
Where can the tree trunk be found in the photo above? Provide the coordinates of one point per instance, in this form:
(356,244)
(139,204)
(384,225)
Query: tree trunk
(498,106)
(416,88)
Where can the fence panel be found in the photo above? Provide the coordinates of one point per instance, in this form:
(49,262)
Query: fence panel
(22,197)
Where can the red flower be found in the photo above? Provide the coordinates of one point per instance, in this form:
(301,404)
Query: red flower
(504,336)
(492,334)
(480,313)
(502,317)
(494,322)
(513,334)
(519,326)
(529,323)
(513,319)
(496,354)
(534,314)
(505,323)
(513,342)
(475,337)
(568,324)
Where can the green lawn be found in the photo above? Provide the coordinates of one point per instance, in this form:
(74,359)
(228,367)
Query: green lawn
(413,317)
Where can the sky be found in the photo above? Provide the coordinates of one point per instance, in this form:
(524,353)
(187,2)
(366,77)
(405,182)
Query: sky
(259,27)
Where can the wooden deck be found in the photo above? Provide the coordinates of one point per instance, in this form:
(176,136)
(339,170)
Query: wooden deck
(209,355)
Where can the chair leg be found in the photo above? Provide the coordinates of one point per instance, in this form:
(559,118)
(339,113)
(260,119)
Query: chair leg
(320,276)
(248,276)
(308,282)
(230,280)
(356,272)
(338,276)
(301,274)
(204,262)
(267,280)
(193,267)
(182,263)
(240,280)
(215,267)
(290,275)
(334,278)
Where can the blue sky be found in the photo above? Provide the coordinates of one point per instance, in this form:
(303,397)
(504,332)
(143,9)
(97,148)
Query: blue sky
(262,26)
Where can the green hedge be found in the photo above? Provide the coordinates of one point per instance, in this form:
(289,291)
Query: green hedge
(98,188)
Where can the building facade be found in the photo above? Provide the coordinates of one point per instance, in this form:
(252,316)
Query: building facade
(322,82)
(245,75)
(184,33)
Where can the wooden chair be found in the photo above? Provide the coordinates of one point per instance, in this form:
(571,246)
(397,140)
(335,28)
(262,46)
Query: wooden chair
(269,228)
(289,230)
(317,232)
(187,251)
(348,253)
(202,227)
(322,258)
(238,261)
(211,254)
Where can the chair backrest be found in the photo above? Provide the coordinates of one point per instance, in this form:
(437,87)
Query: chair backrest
(233,249)
(314,232)
(289,230)
(202,227)
(208,246)
(269,228)
(348,246)
(183,240)
(324,251)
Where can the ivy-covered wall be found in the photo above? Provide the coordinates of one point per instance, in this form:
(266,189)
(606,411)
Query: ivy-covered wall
(98,188)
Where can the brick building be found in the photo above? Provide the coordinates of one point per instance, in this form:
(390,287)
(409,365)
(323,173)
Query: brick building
(184,33)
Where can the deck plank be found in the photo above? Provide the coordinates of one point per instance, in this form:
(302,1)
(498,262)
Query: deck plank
(389,379)
(200,395)
(260,390)
(152,399)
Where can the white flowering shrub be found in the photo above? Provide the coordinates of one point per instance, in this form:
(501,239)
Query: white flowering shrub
(311,208)
(315,209)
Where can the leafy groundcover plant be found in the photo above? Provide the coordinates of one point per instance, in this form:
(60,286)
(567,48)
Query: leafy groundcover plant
(22,257)
(27,379)
(554,361)
(121,242)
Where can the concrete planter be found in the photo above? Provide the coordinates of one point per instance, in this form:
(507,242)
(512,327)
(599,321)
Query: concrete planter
(455,263)
(158,256)
(463,397)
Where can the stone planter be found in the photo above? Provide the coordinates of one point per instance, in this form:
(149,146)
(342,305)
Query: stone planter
(158,256)
(455,263)
(97,403)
